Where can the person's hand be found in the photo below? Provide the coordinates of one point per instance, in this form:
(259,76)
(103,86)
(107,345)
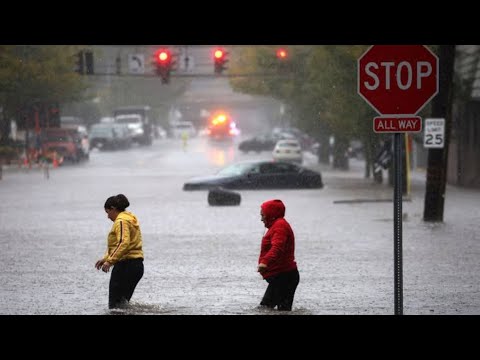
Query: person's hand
(99,264)
(261,268)
(106,266)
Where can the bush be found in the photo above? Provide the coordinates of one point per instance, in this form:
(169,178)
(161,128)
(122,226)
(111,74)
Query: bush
(9,152)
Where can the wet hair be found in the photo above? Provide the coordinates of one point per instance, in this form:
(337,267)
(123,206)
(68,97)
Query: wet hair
(119,202)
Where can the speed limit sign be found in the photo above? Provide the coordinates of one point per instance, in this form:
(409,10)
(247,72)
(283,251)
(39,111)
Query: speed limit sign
(434,136)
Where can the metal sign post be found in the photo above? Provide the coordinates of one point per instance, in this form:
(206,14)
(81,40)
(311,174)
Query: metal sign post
(397,81)
(397,223)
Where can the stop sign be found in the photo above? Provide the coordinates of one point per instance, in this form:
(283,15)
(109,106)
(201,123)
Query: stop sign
(398,79)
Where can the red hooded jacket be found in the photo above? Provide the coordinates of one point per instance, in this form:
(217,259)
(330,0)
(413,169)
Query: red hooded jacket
(278,244)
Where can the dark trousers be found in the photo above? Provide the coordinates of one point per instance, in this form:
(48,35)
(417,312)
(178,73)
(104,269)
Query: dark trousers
(125,276)
(281,290)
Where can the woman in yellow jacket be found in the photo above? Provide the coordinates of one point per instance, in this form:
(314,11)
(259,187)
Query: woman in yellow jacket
(124,252)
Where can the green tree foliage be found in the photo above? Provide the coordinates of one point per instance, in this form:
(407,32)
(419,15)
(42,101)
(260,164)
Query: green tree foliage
(319,85)
(37,74)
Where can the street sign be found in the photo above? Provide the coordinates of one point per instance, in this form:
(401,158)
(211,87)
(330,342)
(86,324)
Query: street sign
(136,63)
(382,124)
(434,136)
(398,79)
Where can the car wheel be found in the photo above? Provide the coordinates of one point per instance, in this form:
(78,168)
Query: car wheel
(221,197)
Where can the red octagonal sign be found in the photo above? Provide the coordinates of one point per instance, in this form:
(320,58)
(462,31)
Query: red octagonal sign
(398,79)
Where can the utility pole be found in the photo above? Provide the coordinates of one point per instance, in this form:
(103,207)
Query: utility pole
(437,158)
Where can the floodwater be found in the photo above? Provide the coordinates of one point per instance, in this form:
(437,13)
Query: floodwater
(202,260)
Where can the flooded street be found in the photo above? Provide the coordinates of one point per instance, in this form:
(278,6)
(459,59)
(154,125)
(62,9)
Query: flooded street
(201,259)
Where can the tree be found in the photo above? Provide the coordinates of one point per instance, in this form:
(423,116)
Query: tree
(437,158)
(321,91)
(36,75)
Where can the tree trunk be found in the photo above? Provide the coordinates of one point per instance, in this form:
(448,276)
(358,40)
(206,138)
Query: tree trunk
(323,150)
(437,158)
(4,127)
(340,155)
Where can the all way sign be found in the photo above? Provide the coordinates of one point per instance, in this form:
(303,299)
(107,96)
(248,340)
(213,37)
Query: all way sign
(383,124)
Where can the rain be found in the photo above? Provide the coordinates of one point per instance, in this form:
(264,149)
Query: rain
(199,258)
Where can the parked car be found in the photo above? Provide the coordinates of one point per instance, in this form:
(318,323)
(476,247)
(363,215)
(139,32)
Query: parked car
(258,144)
(288,150)
(66,143)
(110,136)
(107,119)
(263,174)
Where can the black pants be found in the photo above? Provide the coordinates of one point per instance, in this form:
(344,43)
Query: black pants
(125,276)
(281,290)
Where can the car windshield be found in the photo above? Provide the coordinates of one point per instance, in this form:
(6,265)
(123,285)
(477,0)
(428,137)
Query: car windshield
(57,137)
(101,131)
(288,144)
(128,120)
(235,170)
(183,126)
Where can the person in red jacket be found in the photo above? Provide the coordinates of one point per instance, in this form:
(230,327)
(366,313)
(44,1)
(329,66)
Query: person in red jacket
(276,262)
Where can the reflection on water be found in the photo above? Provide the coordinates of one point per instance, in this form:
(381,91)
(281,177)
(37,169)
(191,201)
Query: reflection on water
(143,309)
(221,154)
(148,309)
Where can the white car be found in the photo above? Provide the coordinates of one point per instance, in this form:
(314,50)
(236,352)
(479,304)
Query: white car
(288,150)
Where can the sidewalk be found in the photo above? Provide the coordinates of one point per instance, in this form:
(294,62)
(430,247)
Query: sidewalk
(21,168)
(354,180)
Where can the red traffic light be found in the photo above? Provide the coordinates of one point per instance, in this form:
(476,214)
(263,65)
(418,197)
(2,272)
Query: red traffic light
(164,63)
(162,56)
(218,54)
(220,59)
(282,53)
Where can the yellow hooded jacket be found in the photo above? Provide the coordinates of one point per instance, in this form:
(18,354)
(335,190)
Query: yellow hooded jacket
(124,239)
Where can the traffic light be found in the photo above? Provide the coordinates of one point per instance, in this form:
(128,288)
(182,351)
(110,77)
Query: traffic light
(89,62)
(282,54)
(220,59)
(283,61)
(163,64)
(118,65)
(80,63)
(84,62)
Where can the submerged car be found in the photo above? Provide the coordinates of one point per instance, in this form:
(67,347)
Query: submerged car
(258,144)
(254,175)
